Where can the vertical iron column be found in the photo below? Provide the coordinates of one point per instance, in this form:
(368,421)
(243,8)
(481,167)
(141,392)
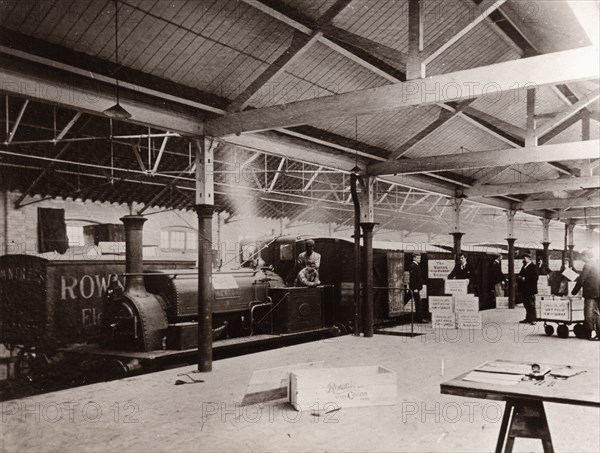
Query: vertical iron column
(357,296)
(205,294)
(546,239)
(367,222)
(570,232)
(457,244)
(510,217)
(512,293)
(456,233)
(204,211)
(368,325)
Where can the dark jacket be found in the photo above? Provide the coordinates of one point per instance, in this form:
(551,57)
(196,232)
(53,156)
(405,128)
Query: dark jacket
(528,282)
(416,279)
(496,275)
(543,269)
(589,279)
(461,274)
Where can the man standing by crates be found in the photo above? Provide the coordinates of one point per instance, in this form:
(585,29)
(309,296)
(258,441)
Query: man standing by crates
(528,277)
(416,285)
(589,279)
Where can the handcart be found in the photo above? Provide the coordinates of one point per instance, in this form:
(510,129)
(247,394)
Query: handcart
(565,312)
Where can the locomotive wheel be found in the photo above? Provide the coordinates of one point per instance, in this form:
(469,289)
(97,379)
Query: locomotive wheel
(338,330)
(549,329)
(29,365)
(562,331)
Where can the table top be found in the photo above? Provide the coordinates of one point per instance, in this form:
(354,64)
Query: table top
(582,389)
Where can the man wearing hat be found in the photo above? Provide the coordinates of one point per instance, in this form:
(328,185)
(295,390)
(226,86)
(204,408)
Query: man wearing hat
(527,278)
(497,277)
(416,285)
(309,255)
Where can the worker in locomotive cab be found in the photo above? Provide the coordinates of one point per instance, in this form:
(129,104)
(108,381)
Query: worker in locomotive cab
(309,256)
(308,276)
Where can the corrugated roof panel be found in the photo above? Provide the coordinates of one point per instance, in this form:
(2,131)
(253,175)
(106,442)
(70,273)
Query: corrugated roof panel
(319,72)
(385,22)
(480,47)
(311,8)
(387,130)
(453,135)
(573,134)
(511,106)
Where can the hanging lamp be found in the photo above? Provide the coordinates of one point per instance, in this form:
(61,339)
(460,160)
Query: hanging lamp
(117,111)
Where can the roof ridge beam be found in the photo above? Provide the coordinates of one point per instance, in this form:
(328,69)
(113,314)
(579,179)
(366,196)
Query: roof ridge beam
(481,159)
(551,185)
(492,80)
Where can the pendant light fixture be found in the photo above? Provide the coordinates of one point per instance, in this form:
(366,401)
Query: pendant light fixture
(117,111)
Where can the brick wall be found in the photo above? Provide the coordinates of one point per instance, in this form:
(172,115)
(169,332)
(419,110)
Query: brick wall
(18,227)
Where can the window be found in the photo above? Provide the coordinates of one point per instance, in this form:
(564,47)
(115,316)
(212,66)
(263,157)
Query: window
(75,235)
(178,239)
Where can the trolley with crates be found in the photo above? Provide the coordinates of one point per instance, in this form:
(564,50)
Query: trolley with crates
(563,311)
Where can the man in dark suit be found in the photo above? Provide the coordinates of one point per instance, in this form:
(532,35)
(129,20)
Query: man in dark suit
(589,279)
(527,278)
(416,285)
(463,271)
(496,277)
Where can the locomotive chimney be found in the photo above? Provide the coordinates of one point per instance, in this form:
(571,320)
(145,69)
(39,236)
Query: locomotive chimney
(134,225)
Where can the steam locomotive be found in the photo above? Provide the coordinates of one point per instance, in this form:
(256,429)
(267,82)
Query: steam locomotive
(73,306)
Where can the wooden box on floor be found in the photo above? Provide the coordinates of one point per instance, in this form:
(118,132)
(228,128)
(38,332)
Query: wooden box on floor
(327,389)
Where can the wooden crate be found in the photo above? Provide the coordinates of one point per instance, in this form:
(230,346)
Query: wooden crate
(333,388)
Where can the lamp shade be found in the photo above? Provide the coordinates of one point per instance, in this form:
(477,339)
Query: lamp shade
(117,112)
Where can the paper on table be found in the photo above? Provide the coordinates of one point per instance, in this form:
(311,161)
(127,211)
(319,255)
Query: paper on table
(570,274)
(567,372)
(493,378)
(496,366)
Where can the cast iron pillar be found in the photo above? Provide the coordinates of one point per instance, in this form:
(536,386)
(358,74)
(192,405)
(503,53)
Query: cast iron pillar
(571,241)
(510,218)
(354,178)
(457,244)
(546,239)
(205,294)
(368,323)
(546,256)
(204,210)
(511,272)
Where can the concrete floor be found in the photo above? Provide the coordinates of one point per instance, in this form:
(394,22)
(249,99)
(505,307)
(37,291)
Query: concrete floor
(149,413)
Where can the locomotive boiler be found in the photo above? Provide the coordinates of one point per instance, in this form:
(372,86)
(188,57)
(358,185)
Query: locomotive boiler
(160,310)
(53,307)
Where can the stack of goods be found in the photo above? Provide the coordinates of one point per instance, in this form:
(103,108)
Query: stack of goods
(456,310)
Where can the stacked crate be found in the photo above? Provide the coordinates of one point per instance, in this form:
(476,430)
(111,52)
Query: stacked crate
(458,309)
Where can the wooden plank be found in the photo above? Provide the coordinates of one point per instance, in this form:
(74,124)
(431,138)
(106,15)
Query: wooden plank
(509,128)
(453,34)
(491,80)
(300,44)
(415,39)
(588,182)
(510,156)
(567,113)
(577,213)
(24,79)
(561,203)
(273,383)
